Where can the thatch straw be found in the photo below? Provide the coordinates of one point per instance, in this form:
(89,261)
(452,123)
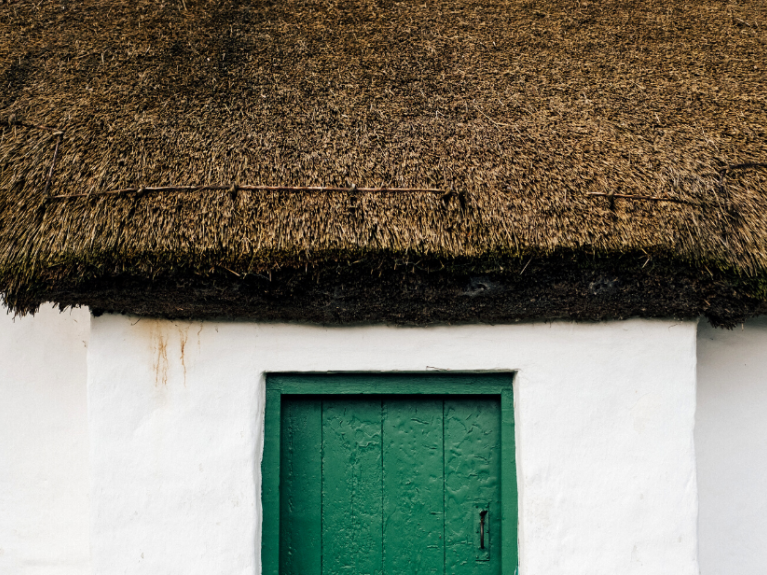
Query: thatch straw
(525,111)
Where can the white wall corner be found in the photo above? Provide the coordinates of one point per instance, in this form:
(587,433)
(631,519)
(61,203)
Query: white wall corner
(731,449)
(44,515)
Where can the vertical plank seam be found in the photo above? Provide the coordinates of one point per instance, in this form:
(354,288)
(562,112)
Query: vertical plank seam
(383,542)
(322,486)
(444,493)
(289,419)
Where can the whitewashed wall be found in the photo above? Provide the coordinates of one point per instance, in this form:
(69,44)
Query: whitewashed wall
(44,483)
(44,447)
(605,416)
(731,441)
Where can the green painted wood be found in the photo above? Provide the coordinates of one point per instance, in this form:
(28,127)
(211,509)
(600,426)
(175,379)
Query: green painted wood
(413,500)
(351,486)
(270,485)
(300,486)
(502,539)
(472,484)
(379,384)
(509,496)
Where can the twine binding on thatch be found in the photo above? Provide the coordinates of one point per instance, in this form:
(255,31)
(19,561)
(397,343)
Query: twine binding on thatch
(234,188)
(722,175)
(612,196)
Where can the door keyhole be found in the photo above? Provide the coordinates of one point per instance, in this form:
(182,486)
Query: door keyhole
(482,515)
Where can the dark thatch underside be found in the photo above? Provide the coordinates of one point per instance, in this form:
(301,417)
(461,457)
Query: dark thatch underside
(522,109)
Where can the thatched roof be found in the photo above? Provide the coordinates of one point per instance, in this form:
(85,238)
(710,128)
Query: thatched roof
(516,112)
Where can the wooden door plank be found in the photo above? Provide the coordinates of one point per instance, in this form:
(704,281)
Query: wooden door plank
(413,502)
(509,494)
(351,486)
(270,484)
(391,383)
(300,497)
(472,484)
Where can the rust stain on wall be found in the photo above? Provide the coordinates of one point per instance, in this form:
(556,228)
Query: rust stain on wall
(184,335)
(160,335)
(161,360)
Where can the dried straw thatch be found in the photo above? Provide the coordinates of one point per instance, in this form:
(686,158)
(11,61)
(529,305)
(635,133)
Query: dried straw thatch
(518,112)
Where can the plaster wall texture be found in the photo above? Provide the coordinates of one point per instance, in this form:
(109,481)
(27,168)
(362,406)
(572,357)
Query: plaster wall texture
(731,443)
(604,412)
(44,479)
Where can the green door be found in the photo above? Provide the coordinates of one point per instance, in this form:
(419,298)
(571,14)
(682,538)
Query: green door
(390,485)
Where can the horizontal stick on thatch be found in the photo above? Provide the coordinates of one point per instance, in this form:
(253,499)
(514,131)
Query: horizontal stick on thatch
(234,188)
(635,197)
